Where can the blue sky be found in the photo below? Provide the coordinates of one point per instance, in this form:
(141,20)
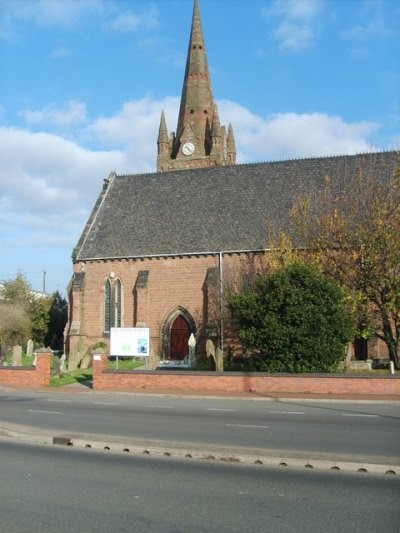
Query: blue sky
(83,83)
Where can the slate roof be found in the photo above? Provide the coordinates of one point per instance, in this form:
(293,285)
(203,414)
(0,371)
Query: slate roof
(221,209)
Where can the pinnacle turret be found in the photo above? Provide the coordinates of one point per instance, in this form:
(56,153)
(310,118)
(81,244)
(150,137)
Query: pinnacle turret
(162,132)
(199,140)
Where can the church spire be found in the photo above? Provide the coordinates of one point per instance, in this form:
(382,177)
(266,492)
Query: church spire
(197,142)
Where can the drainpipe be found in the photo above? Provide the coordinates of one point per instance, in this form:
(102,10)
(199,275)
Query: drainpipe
(221,303)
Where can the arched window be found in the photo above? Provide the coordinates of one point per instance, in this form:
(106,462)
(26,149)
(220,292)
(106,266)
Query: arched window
(107,306)
(112,305)
(117,304)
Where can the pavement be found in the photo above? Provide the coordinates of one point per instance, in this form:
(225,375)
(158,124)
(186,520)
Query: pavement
(86,387)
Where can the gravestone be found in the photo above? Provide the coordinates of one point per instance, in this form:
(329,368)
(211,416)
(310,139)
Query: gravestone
(17,355)
(29,348)
(210,348)
(219,360)
(87,361)
(56,366)
(192,350)
(63,366)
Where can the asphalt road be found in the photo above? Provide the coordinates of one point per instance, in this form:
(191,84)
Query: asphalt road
(357,429)
(46,489)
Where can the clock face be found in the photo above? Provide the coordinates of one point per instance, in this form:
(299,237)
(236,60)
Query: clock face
(188,148)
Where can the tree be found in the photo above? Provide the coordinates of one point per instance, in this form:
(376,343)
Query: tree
(18,293)
(15,325)
(58,317)
(296,318)
(354,235)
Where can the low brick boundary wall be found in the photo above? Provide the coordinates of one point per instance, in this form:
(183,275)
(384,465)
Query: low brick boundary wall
(183,381)
(28,377)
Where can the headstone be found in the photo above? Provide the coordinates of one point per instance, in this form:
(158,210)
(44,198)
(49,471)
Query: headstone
(219,360)
(210,348)
(56,366)
(87,361)
(63,366)
(29,348)
(17,355)
(192,349)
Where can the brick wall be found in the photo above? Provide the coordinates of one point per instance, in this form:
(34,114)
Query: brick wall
(34,378)
(169,381)
(172,282)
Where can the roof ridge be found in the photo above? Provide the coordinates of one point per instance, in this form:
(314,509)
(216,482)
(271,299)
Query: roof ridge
(256,163)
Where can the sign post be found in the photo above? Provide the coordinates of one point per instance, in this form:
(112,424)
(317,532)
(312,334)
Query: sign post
(129,342)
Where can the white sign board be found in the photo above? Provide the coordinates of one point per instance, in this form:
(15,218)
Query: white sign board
(129,342)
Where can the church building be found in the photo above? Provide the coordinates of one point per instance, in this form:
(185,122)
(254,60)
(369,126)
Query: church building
(158,250)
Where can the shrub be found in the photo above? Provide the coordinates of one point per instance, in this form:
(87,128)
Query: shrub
(296,318)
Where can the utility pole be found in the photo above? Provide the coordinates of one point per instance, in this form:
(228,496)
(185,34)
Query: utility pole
(44,282)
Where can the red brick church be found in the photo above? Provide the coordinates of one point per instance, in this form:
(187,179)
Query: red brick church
(158,249)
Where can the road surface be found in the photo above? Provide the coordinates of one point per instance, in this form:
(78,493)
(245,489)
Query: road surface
(356,429)
(45,489)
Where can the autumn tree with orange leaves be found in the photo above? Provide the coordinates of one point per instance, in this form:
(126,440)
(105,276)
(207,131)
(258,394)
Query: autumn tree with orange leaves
(355,237)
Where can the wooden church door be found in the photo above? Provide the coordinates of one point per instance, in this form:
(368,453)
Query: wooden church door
(180,333)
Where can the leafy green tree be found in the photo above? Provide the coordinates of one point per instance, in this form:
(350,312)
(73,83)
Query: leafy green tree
(58,317)
(18,293)
(296,318)
(15,325)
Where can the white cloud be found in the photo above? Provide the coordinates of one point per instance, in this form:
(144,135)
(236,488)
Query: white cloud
(60,52)
(134,129)
(48,185)
(74,112)
(364,32)
(288,135)
(128,21)
(42,171)
(295,31)
(72,14)
(302,10)
(52,13)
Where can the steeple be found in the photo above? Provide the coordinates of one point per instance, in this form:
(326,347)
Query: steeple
(200,141)
(197,101)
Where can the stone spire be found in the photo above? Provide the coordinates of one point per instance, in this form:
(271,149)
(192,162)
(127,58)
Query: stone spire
(197,103)
(200,141)
(230,147)
(162,142)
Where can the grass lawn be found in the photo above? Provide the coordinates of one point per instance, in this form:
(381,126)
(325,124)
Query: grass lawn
(76,376)
(127,363)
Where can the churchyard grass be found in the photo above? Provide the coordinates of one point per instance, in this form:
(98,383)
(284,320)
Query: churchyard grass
(126,363)
(68,378)
(25,360)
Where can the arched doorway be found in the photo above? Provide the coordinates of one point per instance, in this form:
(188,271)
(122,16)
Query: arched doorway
(176,329)
(179,338)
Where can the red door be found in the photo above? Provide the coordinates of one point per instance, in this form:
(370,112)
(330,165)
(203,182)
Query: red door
(180,333)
